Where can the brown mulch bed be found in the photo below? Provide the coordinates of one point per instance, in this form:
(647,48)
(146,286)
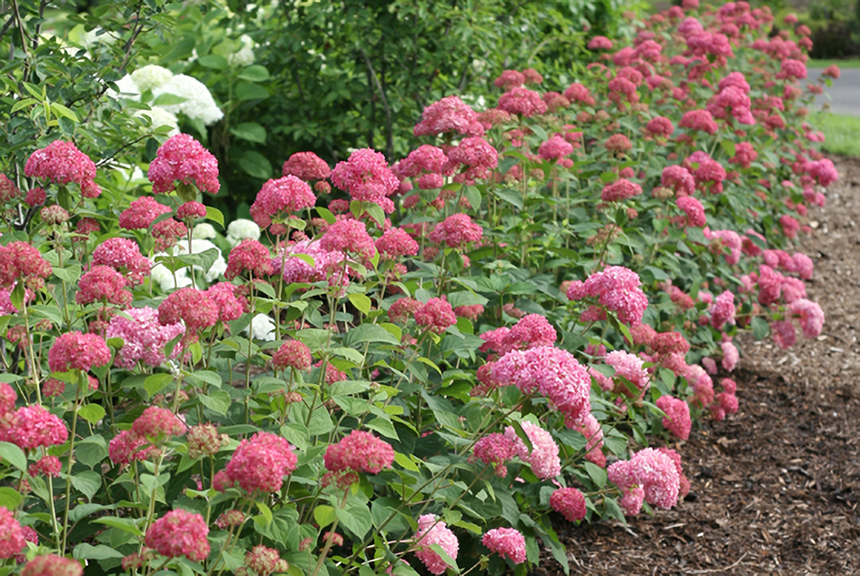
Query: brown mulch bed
(775,488)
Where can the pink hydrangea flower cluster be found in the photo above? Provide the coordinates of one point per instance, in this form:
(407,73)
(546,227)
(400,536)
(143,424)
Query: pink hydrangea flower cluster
(103,285)
(19,260)
(51,565)
(127,447)
(679,179)
(349,236)
(617,289)
(649,475)
(450,114)
(184,159)
(723,311)
(141,213)
(359,452)
(293,354)
(495,450)
(307,166)
(569,502)
(231,304)
(31,427)
(279,198)
(62,163)
(367,177)
(249,256)
(456,231)
(620,190)
(76,351)
(157,424)
(144,337)
(179,533)
(477,155)
(258,464)
(588,426)
(435,315)
(555,148)
(543,457)
(432,531)
(123,255)
(629,367)
(522,101)
(677,419)
(395,243)
(507,543)
(191,306)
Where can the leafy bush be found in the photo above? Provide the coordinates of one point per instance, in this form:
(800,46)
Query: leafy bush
(417,361)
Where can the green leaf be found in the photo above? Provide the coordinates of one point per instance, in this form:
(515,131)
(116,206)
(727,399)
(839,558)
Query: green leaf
(375,211)
(215,215)
(760,328)
(255,73)
(728,146)
(256,165)
(370,333)
(326,215)
(511,197)
(405,462)
(217,401)
(213,61)
(444,556)
(608,177)
(17,296)
(124,524)
(324,515)
(60,110)
(596,473)
(361,302)
(250,131)
(90,552)
(10,498)
(355,517)
(168,100)
(87,482)
(156,383)
(92,413)
(13,455)
(265,512)
(249,91)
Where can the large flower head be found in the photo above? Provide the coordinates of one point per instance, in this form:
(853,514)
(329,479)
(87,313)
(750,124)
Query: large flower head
(77,351)
(184,159)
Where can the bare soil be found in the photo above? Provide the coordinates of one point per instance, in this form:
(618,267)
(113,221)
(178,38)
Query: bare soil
(776,487)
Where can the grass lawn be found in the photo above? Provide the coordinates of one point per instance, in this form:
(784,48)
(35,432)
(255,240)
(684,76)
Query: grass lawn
(841,133)
(850,63)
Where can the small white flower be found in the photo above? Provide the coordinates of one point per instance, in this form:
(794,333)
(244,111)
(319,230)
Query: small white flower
(240,229)
(151,77)
(204,231)
(262,328)
(245,55)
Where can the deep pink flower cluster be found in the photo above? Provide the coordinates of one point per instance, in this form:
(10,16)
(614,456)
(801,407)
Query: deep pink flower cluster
(183,158)
(620,190)
(432,531)
(555,148)
(141,213)
(745,155)
(190,211)
(551,372)
(249,256)
(123,255)
(509,79)
(8,190)
(650,475)
(144,337)
(394,243)
(543,457)
(19,260)
(577,92)
(477,155)
(189,305)
(450,114)
(231,303)
(349,236)
(456,231)
(694,210)
(11,535)
(435,315)
(277,199)
(569,502)
(701,120)
(61,162)
(495,450)
(616,288)
(157,424)
(723,310)
(179,533)
(367,177)
(522,101)
(32,427)
(258,464)
(76,351)
(506,542)
(600,43)
(166,233)
(660,127)
(677,419)
(679,179)
(726,239)
(359,452)
(809,315)
(293,354)
(127,447)
(307,166)
(104,285)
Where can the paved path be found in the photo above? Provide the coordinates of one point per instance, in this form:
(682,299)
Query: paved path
(844,94)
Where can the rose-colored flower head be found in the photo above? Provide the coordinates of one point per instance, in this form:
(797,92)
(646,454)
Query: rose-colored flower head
(359,452)
(435,315)
(651,472)
(8,397)
(555,148)
(477,155)
(618,289)
(189,305)
(141,213)
(76,351)
(495,450)
(280,198)
(349,236)
(258,464)
(156,424)
(450,114)
(367,177)
(231,304)
(104,285)
(52,565)
(569,502)
(262,561)
(403,309)
(144,337)
(205,440)
(660,127)
(543,457)
(679,179)
(694,210)
(432,531)
(600,43)
(32,427)
(293,354)
(166,233)
(620,190)
(456,231)
(127,447)
(179,533)
(506,542)
(8,190)
(723,311)
(189,211)
(701,120)
(677,419)
(123,255)
(509,79)
(810,316)
(61,162)
(307,166)
(522,101)
(184,159)
(20,261)
(35,197)
(11,535)
(249,256)
(394,243)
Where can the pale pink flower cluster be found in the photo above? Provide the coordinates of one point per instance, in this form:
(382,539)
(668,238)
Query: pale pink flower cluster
(450,114)
(506,542)
(723,311)
(677,419)
(543,457)
(144,337)
(649,475)
(618,289)
(432,531)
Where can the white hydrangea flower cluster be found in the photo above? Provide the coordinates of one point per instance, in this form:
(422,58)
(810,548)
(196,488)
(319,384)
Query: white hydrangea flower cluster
(204,231)
(240,229)
(158,116)
(261,328)
(165,278)
(245,55)
(151,76)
